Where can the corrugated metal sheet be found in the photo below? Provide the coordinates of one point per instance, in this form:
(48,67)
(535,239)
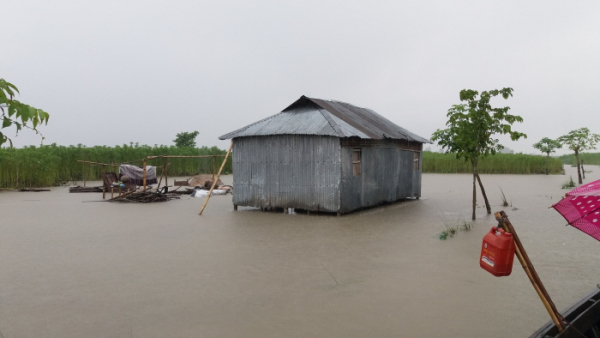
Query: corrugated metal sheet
(385,143)
(369,122)
(302,158)
(315,173)
(287,171)
(387,175)
(309,116)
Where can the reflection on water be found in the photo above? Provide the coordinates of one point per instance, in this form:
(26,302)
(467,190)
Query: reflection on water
(94,269)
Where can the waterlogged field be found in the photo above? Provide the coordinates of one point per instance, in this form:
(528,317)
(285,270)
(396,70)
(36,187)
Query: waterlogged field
(54,165)
(497,164)
(73,266)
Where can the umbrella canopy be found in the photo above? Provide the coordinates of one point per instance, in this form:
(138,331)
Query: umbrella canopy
(581,208)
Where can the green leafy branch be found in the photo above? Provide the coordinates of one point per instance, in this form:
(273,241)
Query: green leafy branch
(17,114)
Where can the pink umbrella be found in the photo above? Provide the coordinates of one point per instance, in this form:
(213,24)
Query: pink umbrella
(581,208)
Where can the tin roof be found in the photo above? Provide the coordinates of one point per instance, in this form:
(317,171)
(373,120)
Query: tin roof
(309,116)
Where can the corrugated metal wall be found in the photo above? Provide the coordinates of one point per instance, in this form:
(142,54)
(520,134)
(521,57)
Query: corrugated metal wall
(416,178)
(287,171)
(315,173)
(387,175)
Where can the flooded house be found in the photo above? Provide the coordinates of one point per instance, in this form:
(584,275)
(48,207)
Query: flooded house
(322,155)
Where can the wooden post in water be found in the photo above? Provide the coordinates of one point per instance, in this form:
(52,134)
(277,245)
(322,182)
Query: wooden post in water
(144,164)
(103,184)
(162,172)
(215,180)
(214,164)
(557,318)
(166,173)
(84,170)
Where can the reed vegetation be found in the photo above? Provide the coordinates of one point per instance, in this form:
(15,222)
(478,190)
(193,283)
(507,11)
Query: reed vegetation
(451,229)
(569,184)
(496,164)
(587,158)
(53,165)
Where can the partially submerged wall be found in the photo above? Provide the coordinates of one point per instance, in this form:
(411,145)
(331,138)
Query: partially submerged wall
(287,171)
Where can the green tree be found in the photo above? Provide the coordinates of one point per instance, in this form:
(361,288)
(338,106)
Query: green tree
(471,126)
(186,139)
(579,140)
(17,114)
(547,145)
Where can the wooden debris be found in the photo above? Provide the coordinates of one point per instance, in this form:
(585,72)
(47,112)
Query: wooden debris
(145,197)
(180,183)
(187,191)
(200,180)
(33,189)
(85,189)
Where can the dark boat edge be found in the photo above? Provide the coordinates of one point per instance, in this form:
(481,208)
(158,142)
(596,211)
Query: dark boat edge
(583,316)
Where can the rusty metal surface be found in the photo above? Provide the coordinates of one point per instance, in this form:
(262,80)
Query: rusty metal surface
(301,121)
(308,116)
(315,173)
(386,143)
(387,175)
(302,158)
(287,171)
(369,122)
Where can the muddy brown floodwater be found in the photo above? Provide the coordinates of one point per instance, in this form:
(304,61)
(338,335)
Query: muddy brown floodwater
(72,267)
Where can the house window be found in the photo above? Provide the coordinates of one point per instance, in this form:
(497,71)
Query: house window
(356,162)
(416,164)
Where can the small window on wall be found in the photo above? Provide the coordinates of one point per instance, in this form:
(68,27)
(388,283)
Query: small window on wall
(356,162)
(416,164)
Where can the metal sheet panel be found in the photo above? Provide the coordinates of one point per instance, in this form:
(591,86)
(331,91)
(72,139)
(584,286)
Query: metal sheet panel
(287,171)
(369,122)
(309,116)
(387,175)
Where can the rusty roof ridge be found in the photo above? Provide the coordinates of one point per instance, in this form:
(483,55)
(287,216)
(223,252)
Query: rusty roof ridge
(325,105)
(332,123)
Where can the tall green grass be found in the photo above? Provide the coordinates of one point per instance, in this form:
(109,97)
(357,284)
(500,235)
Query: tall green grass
(588,158)
(496,164)
(54,165)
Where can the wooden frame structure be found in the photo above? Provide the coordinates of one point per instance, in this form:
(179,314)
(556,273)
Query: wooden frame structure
(164,171)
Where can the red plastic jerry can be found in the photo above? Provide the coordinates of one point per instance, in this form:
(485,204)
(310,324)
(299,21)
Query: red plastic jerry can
(497,252)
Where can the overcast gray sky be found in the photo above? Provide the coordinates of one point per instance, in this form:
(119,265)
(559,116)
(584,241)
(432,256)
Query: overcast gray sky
(114,72)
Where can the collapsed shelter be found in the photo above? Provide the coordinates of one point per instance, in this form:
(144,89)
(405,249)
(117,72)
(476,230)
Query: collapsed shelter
(321,155)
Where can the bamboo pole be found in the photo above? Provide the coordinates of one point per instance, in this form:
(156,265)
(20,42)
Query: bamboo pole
(144,164)
(215,180)
(214,164)
(166,173)
(98,163)
(511,229)
(90,162)
(84,171)
(178,156)
(103,184)
(152,157)
(160,178)
(530,271)
(163,172)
